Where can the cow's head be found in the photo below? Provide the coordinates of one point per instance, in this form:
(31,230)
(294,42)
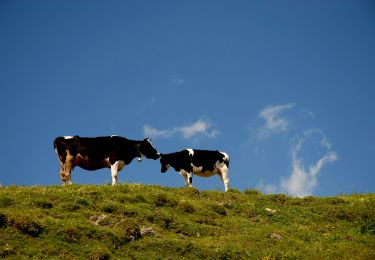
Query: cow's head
(148,150)
(164,164)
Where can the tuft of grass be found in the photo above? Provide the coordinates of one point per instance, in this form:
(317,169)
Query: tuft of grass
(109,208)
(252,192)
(186,207)
(26,224)
(219,209)
(105,222)
(5,201)
(43,204)
(163,199)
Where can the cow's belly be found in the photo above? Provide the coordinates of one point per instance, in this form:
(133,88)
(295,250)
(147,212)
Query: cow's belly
(91,164)
(198,171)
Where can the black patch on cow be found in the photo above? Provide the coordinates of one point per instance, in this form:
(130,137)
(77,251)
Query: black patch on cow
(179,160)
(190,180)
(207,159)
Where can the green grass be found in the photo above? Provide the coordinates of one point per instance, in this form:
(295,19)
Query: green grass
(152,222)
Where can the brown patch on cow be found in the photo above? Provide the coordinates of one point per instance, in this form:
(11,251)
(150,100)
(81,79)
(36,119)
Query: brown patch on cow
(121,165)
(66,167)
(198,171)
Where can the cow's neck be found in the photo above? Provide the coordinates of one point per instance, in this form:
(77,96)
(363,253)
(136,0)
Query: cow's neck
(138,149)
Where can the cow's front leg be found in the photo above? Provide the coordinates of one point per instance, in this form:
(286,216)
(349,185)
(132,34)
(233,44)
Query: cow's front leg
(114,172)
(187,177)
(190,179)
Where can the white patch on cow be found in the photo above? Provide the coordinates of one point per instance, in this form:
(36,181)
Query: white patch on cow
(226,156)
(191,151)
(219,164)
(197,169)
(68,137)
(113,135)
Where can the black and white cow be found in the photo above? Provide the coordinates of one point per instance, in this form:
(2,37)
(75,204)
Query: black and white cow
(203,163)
(95,153)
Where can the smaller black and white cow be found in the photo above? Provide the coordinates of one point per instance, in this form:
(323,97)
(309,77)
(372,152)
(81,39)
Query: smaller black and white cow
(95,153)
(203,163)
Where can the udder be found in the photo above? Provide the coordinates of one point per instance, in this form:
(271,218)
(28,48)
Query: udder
(198,171)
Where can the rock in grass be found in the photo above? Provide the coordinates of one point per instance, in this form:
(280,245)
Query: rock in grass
(275,235)
(147,231)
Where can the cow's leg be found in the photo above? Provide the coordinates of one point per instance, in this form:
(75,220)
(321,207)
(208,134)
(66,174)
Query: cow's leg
(114,172)
(65,174)
(187,177)
(66,170)
(190,179)
(223,173)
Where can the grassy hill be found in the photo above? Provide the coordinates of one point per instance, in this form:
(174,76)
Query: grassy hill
(151,222)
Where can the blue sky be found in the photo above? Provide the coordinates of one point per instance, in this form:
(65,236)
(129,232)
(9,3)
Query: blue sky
(286,88)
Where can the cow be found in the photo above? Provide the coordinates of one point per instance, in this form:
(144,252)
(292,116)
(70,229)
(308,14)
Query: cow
(93,153)
(203,163)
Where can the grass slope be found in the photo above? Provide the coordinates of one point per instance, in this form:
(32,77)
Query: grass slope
(151,222)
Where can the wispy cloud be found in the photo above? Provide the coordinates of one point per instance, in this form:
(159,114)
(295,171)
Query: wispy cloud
(275,122)
(198,128)
(307,112)
(147,105)
(303,180)
(176,80)
(155,133)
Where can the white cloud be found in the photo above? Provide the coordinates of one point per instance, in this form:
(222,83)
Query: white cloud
(274,121)
(302,181)
(198,128)
(303,178)
(155,133)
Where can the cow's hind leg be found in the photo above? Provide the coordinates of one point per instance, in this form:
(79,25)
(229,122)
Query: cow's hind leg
(223,173)
(65,174)
(66,167)
(114,172)
(115,169)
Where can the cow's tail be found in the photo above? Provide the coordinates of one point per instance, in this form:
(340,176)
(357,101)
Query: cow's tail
(55,144)
(59,145)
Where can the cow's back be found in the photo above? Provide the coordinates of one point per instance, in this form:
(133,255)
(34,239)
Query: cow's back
(207,159)
(96,147)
